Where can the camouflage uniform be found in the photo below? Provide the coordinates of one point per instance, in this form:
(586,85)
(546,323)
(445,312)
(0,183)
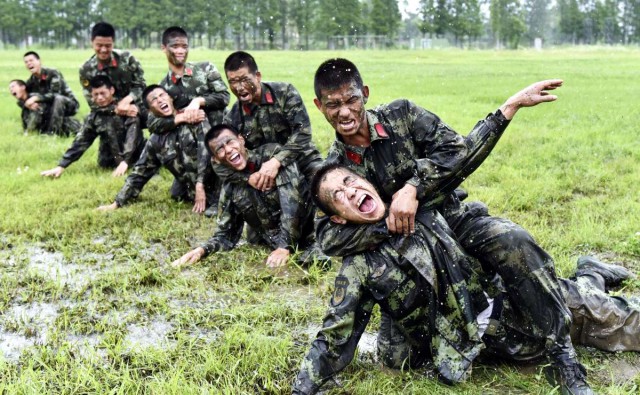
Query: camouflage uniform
(280,118)
(183,153)
(430,294)
(411,145)
(125,74)
(280,216)
(120,139)
(200,79)
(57,101)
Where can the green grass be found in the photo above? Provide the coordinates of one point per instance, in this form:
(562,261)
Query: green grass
(78,285)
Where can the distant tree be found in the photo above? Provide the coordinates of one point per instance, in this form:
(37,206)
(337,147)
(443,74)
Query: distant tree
(507,22)
(385,18)
(571,20)
(339,18)
(537,19)
(465,20)
(302,13)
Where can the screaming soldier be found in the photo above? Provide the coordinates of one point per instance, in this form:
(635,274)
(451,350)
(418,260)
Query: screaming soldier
(281,217)
(437,306)
(414,159)
(180,150)
(193,86)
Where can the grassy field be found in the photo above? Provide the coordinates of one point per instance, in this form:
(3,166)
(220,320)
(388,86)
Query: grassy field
(89,303)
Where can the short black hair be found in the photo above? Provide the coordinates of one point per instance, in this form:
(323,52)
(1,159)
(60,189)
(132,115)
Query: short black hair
(103,29)
(240,59)
(99,81)
(216,131)
(173,32)
(334,73)
(19,82)
(147,90)
(34,53)
(318,178)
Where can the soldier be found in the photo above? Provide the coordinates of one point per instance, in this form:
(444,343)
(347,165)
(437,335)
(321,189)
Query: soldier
(181,151)
(413,158)
(428,289)
(50,95)
(31,120)
(121,139)
(192,86)
(281,217)
(268,112)
(122,69)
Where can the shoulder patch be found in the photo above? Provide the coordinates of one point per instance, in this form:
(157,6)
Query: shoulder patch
(85,83)
(382,132)
(320,213)
(341,290)
(268,97)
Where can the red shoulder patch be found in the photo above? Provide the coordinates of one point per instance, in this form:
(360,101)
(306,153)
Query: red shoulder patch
(252,167)
(43,77)
(188,72)
(382,132)
(246,109)
(354,157)
(268,97)
(173,78)
(114,62)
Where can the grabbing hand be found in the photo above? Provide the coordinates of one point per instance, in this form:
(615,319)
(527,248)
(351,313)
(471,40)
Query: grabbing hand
(402,211)
(200,201)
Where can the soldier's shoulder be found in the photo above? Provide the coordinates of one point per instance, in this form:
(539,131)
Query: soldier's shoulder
(279,86)
(88,65)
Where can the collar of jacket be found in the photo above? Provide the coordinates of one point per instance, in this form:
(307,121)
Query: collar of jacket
(188,72)
(268,98)
(112,63)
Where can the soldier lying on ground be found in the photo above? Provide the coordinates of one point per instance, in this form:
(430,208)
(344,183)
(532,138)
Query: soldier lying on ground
(414,159)
(35,117)
(281,217)
(121,139)
(181,151)
(50,96)
(193,87)
(437,307)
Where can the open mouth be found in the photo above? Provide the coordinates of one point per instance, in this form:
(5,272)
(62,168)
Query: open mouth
(366,204)
(164,107)
(235,158)
(347,124)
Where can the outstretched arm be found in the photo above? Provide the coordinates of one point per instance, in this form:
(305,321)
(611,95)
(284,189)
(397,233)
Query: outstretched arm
(530,96)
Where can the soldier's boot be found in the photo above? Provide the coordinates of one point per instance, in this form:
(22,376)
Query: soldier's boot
(611,274)
(570,376)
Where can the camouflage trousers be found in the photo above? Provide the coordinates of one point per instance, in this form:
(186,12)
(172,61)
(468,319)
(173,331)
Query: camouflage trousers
(182,192)
(528,272)
(54,118)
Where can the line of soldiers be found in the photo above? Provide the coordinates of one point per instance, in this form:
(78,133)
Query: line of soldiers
(453,282)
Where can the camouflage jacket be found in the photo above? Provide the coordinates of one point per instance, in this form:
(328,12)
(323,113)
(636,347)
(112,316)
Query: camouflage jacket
(280,118)
(120,134)
(424,283)
(48,84)
(125,73)
(200,79)
(180,151)
(408,145)
(278,215)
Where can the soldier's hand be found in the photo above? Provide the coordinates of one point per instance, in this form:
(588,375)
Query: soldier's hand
(55,172)
(120,170)
(200,200)
(270,170)
(193,116)
(530,96)
(108,207)
(278,257)
(32,103)
(189,258)
(402,211)
(258,181)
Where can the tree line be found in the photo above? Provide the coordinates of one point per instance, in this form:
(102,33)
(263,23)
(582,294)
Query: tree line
(318,24)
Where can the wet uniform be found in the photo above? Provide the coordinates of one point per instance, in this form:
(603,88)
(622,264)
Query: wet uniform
(281,217)
(182,152)
(280,118)
(411,145)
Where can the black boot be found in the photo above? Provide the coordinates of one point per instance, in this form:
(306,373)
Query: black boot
(570,376)
(612,274)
